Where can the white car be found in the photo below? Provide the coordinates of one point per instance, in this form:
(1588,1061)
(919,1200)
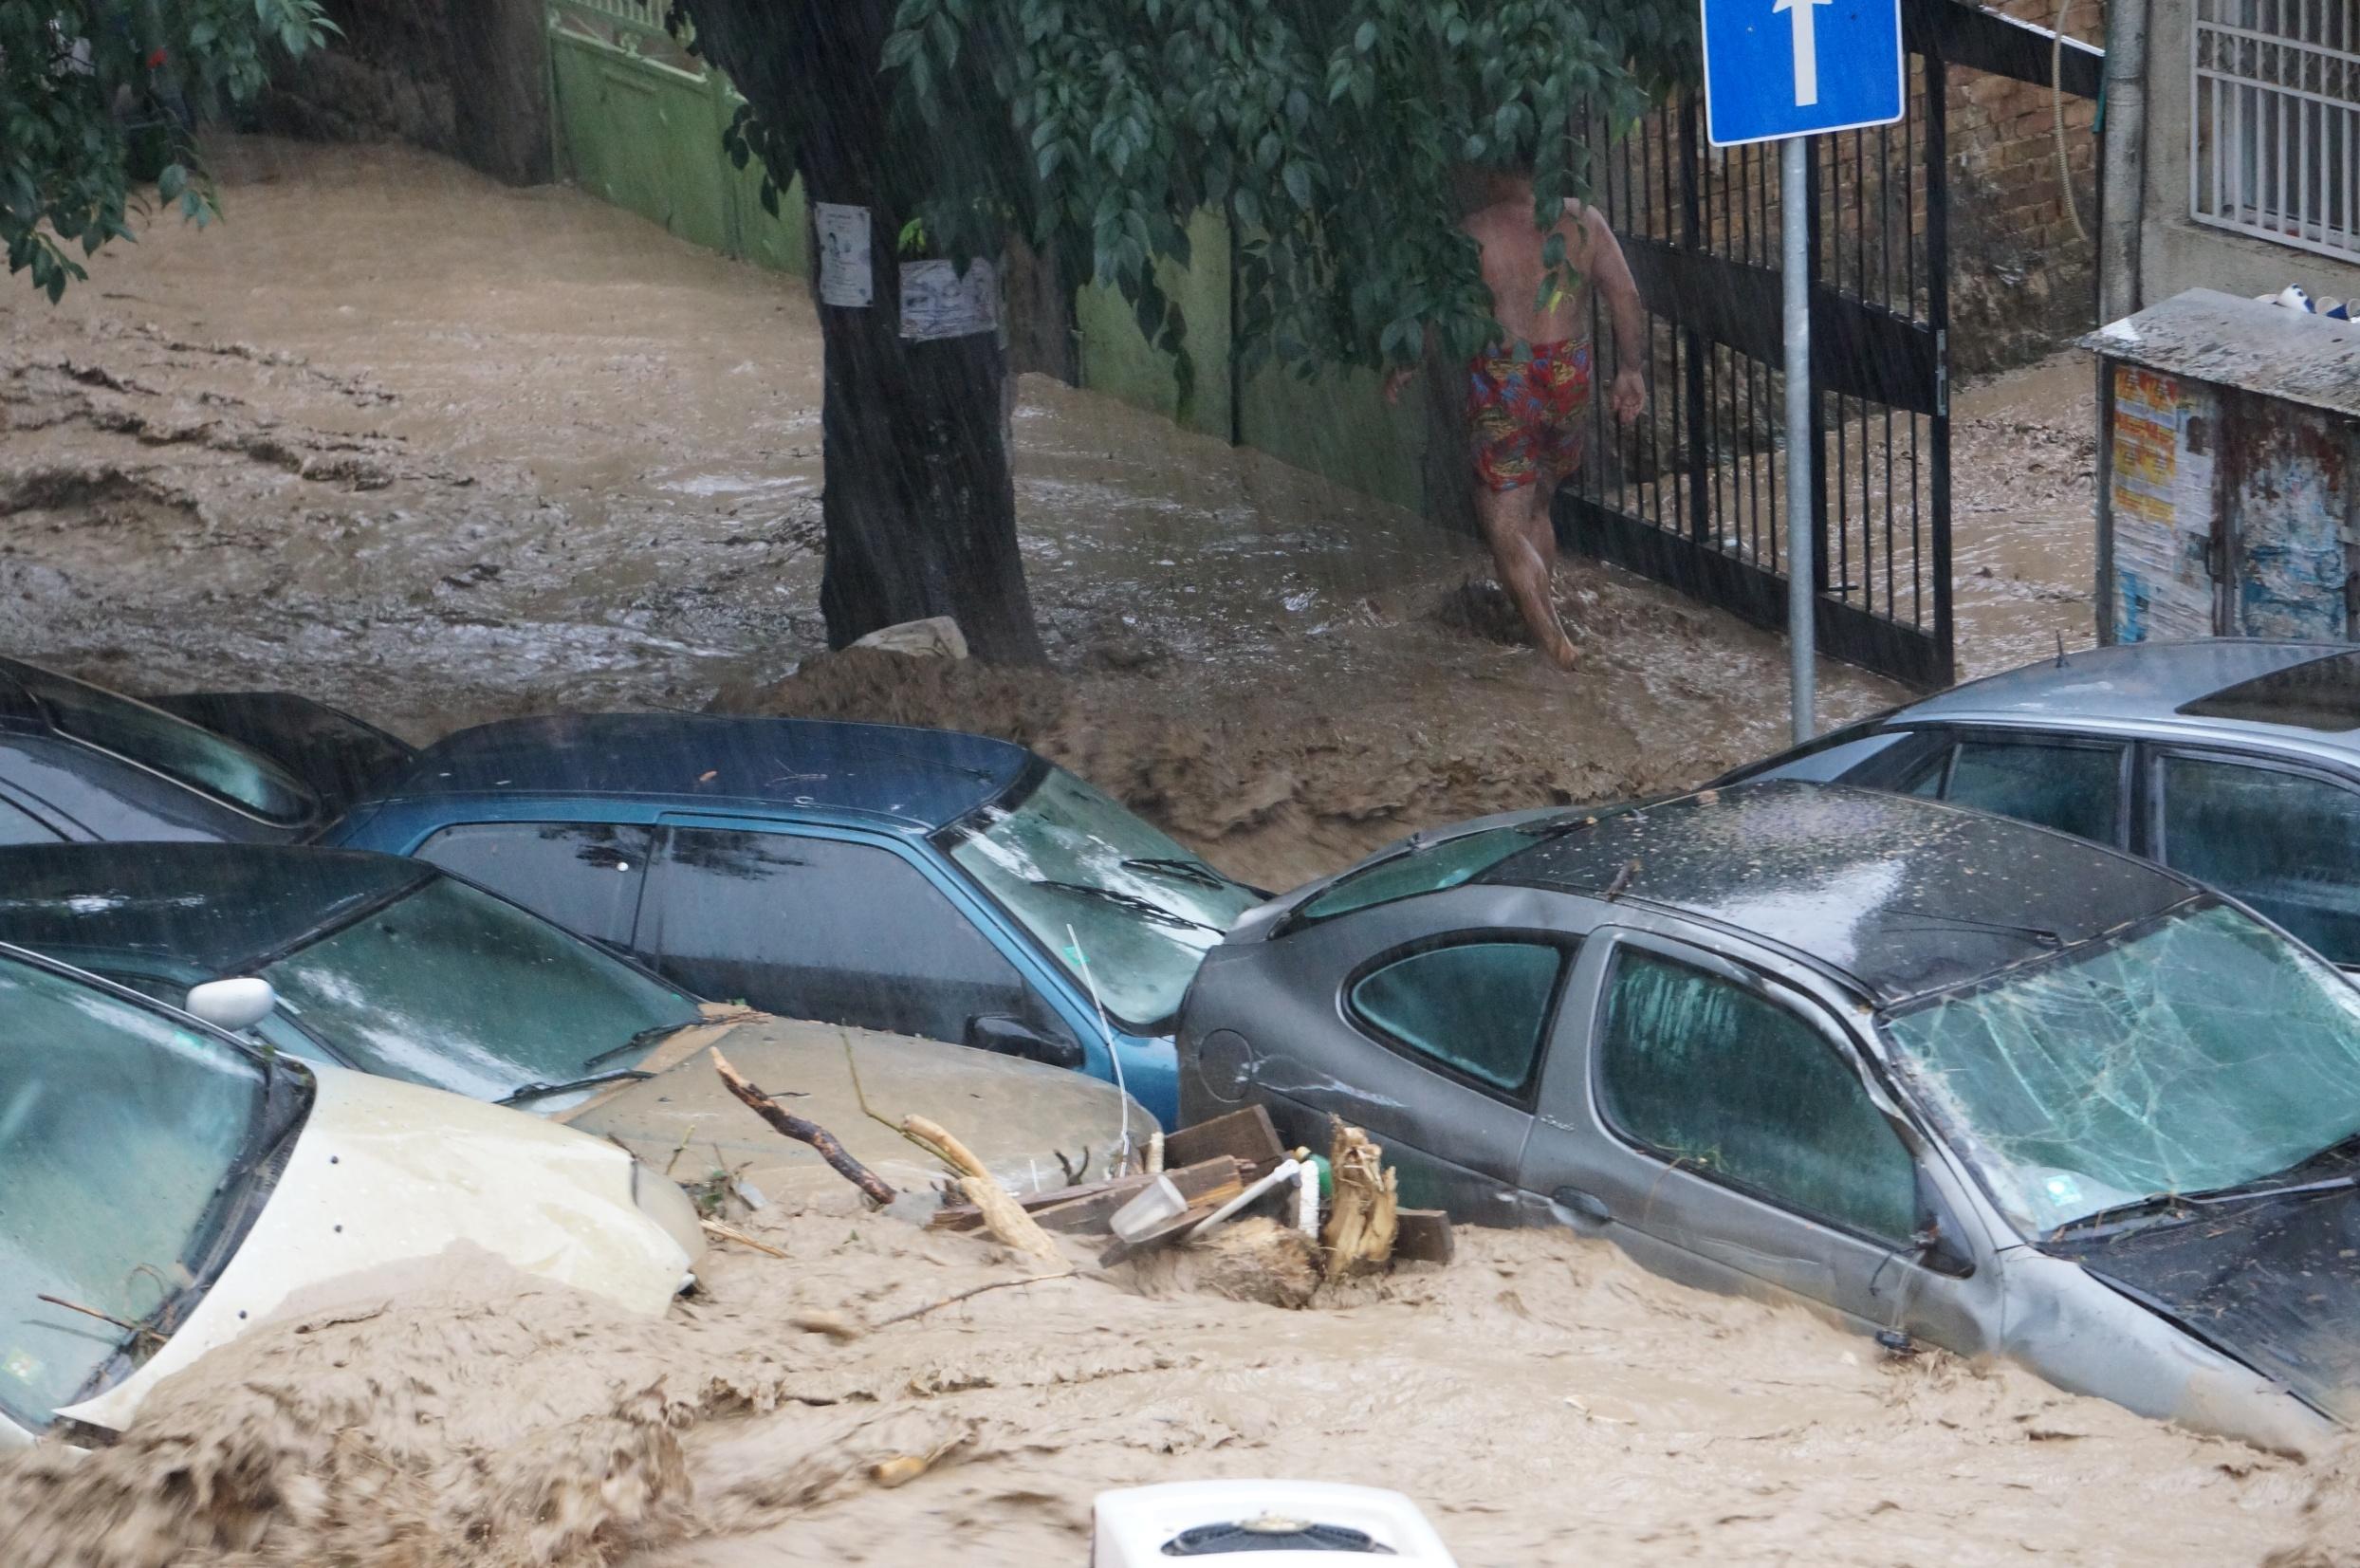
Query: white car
(165,1186)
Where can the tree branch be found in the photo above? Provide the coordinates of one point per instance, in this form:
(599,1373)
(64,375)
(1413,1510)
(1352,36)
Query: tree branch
(795,1127)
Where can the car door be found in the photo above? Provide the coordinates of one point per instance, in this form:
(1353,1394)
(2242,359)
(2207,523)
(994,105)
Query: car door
(2075,784)
(1423,1022)
(586,877)
(1717,1122)
(839,928)
(2282,837)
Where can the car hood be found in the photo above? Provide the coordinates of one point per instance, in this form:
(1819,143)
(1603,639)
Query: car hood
(1017,1117)
(2274,1284)
(383,1173)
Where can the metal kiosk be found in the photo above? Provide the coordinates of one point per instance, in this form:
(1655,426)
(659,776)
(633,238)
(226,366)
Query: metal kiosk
(2229,451)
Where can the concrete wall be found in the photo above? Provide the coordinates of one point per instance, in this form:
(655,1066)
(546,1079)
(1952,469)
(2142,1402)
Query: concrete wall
(2175,252)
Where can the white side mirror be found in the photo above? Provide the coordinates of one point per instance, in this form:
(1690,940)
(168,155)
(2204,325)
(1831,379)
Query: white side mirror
(235,1006)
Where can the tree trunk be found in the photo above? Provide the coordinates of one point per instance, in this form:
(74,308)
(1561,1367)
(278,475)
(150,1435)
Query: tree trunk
(919,507)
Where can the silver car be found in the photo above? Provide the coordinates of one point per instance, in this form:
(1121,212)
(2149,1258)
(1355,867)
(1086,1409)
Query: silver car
(1950,1076)
(2233,760)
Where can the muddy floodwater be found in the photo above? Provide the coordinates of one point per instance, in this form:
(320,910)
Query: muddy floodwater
(1547,1402)
(438,450)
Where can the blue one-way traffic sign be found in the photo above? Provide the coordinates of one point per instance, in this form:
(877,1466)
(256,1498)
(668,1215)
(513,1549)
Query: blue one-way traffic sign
(1796,67)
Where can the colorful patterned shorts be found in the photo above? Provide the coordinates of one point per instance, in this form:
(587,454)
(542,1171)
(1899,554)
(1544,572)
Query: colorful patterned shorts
(1527,411)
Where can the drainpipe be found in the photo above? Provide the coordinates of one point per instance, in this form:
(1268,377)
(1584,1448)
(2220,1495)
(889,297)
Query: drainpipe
(2123,183)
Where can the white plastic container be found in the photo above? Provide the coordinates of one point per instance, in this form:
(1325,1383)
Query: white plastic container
(1242,1520)
(1159,1202)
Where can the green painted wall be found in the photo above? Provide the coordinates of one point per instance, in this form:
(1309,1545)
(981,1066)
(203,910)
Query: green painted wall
(1117,358)
(1338,425)
(647,137)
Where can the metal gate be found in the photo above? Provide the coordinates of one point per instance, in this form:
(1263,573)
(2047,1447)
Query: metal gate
(1694,494)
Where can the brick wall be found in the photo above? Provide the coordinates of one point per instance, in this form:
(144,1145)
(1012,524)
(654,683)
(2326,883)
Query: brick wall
(2022,280)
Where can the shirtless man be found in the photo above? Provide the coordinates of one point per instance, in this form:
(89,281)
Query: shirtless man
(1528,397)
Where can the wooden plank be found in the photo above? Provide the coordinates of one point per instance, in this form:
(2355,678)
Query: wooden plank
(1247,1134)
(1214,1180)
(1204,1176)
(1122,1251)
(1422,1236)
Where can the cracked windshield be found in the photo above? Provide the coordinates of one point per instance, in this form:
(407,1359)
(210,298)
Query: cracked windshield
(873,780)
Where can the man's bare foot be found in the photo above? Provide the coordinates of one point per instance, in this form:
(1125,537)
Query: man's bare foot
(1563,654)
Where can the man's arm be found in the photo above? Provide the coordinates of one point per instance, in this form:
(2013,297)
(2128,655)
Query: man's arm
(1610,275)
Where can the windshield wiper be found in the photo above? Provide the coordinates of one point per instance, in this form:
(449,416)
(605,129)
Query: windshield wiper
(2217,1197)
(1136,905)
(534,1091)
(1188,871)
(639,1042)
(2039,934)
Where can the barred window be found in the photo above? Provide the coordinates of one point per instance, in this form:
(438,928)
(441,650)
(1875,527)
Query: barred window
(2275,133)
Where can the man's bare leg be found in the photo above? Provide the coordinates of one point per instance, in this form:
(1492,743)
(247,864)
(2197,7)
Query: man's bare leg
(1525,558)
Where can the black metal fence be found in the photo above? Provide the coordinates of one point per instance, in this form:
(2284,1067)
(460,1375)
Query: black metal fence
(1694,494)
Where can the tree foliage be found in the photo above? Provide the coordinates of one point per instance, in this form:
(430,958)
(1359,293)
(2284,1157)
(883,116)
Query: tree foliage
(1331,133)
(83,80)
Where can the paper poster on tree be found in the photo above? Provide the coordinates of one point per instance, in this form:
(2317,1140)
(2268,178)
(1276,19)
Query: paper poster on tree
(937,302)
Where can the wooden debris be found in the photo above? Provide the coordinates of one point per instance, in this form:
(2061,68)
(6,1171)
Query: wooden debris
(1074,1209)
(1422,1236)
(721,1232)
(1003,1215)
(1364,1219)
(1249,1135)
(873,1185)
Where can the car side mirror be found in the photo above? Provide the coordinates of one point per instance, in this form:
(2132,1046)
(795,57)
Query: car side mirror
(233,1006)
(1936,1243)
(1006,1036)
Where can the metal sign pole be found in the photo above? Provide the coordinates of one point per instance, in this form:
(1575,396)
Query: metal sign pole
(1801,628)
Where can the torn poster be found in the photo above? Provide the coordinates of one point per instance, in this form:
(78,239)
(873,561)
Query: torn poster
(937,303)
(846,277)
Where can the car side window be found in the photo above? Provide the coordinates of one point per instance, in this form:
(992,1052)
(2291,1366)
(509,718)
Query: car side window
(829,930)
(22,828)
(2075,789)
(1479,1009)
(2286,843)
(1729,1084)
(585,876)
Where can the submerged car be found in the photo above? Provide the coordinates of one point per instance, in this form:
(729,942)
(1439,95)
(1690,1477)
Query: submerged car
(81,763)
(392,967)
(1952,1076)
(920,881)
(2236,761)
(165,1187)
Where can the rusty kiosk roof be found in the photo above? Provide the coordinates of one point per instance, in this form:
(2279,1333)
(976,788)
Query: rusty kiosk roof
(1902,896)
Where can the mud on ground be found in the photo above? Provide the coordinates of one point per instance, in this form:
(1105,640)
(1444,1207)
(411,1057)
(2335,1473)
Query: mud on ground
(1546,1401)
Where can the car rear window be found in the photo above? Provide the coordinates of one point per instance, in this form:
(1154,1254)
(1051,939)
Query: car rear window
(1430,869)
(209,764)
(2321,694)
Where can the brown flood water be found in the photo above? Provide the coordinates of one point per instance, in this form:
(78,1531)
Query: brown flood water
(439,451)
(1546,1402)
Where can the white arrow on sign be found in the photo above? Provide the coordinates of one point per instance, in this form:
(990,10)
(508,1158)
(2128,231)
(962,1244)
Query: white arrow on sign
(1799,13)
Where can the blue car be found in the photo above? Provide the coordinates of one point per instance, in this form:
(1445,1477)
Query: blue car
(921,881)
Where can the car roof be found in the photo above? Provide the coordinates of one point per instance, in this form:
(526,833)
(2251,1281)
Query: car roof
(1901,895)
(2148,683)
(213,907)
(929,778)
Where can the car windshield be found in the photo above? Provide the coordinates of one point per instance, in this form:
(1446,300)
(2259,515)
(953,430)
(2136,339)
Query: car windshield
(120,1132)
(212,763)
(450,986)
(1095,885)
(2200,1052)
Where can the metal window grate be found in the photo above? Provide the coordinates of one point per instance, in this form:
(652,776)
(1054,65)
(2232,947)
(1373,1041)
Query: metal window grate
(2274,140)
